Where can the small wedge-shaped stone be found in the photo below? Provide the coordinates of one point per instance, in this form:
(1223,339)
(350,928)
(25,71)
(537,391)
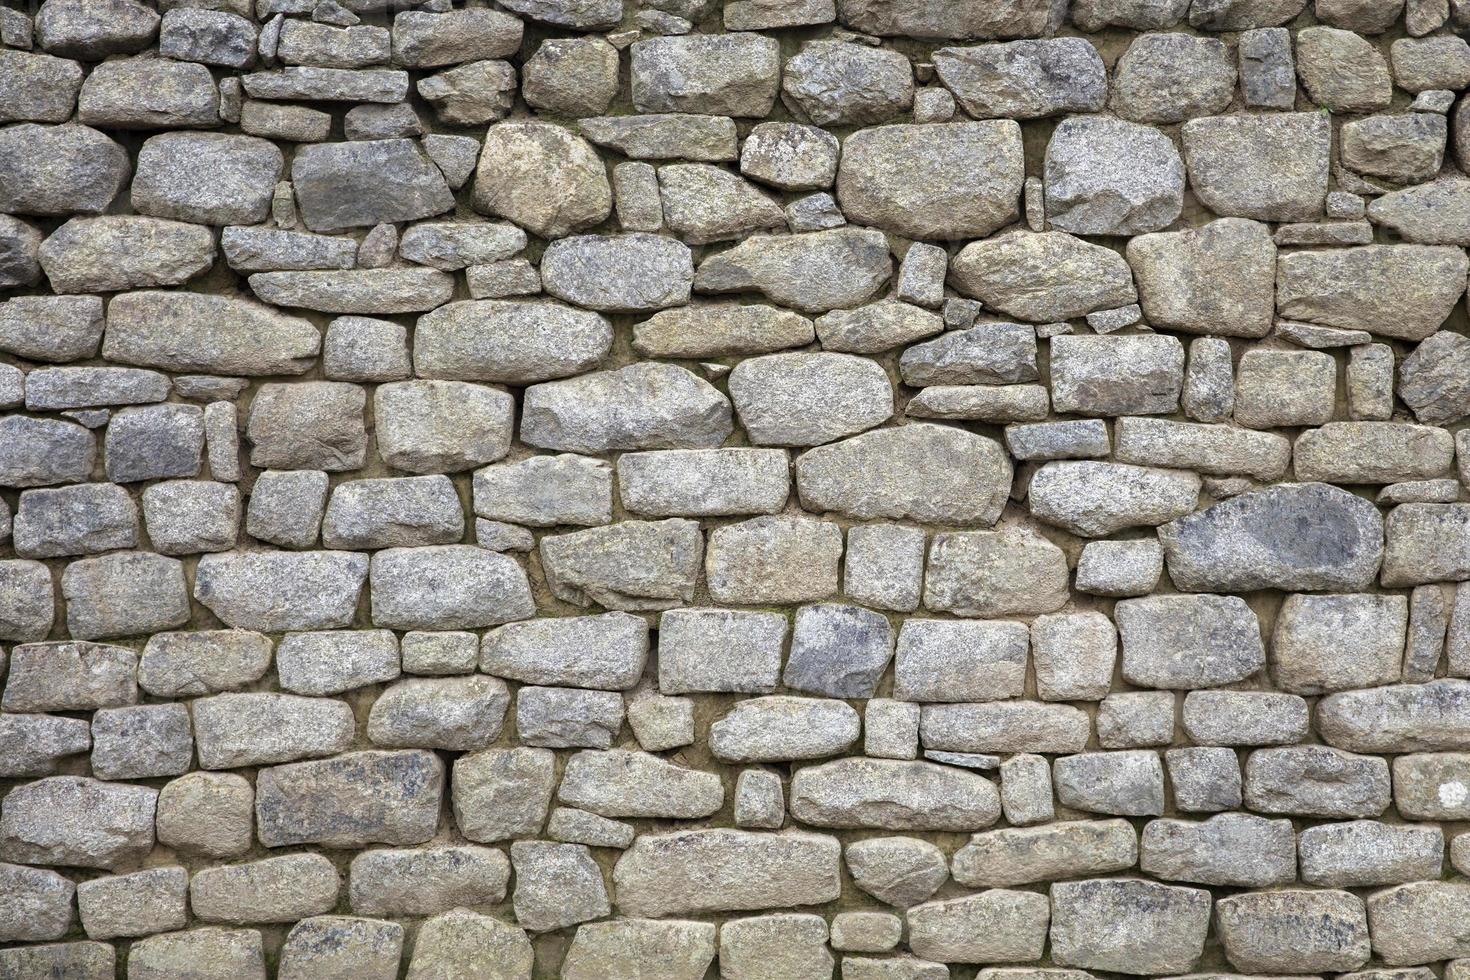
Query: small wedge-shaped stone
(1189,641)
(781,728)
(624,783)
(275,591)
(116,252)
(80,822)
(1293,930)
(350,801)
(181,331)
(513,342)
(641,406)
(543,177)
(717,870)
(1400,291)
(891,794)
(1240,850)
(636,565)
(1217,279)
(1025,79)
(605,652)
(1025,855)
(1428,717)
(1165,932)
(1043,277)
(921,471)
(59,170)
(1297,536)
(1095,499)
(813,271)
(946,181)
(448,587)
(631,273)
(233,730)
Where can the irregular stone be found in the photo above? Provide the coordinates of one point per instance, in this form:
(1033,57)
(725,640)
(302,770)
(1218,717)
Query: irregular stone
(442,426)
(1405,149)
(180,331)
(845,84)
(813,272)
(1233,849)
(92,31)
(134,904)
(266,591)
(995,926)
(942,193)
(622,948)
(367,291)
(557,885)
(986,354)
(1011,18)
(543,491)
(279,889)
(427,881)
(790,156)
(1120,568)
(1316,781)
(899,871)
(642,406)
(1373,452)
(1400,291)
(1043,277)
(635,565)
(995,573)
(77,520)
(1168,78)
(773,560)
(777,729)
(352,800)
(1027,79)
(1366,853)
(118,252)
(1166,934)
(124,594)
(893,795)
(1295,930)
(571,76)
(1432,213)
(328,85)
(702,203)
(1111,177)
(559,718)
(624,783)
(366,182)
(1292,536)
(1095,499)
(149,93)
(1004,726)
(393,513)
(1244,718)
(51,328)
(141,741)
(809,398)
(742,869)
(1417,551)
(1235,257)
(59,170)
(34,745)
(1268,167)
(447,587)
(902,476)
(209,178)
(461,943)
(336,947)
(1127,783)
(37,87)
(1018,856)
(40,904)
(1210,449)
(606,651)
(1342,71)
(76,821)
(1430,381)
(1416,923)
(667,136)
(221,952)
(719,330)
(208,814)
(720,650)
(503,793)
(214,37)
(619,273)
(1188,641)
(719,75)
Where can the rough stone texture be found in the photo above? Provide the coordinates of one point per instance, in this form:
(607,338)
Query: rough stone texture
(535,345)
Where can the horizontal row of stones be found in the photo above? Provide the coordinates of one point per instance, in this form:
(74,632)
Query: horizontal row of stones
(422,746)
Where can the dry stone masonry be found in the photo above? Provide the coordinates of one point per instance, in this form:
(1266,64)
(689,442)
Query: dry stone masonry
(761,490)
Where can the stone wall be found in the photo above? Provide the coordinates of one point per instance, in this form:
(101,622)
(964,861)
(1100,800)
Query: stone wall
(893,490)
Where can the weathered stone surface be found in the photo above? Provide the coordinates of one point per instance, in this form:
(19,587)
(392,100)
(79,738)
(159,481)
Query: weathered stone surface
(1188,641)
(1019,856)
(1004,726)
(1107,176)
(465,943)
(719,75)
(364,182)
(1166,933)
(996,926)
(1295,536)
(352,800)
(1169,78)
(226,952)
(657,876)
(279,889)
(1293,930)
(1267,167)
(206,813)
(77,822)
(638,565)
(117,252)
(34,744)
(948,660)
(1415,923)
(503,793)
(813,272)
(1043,277)
(1363,853)
(1316,781)
(995,573)
(642,406)
(179,331)
(1129,783)
(892,795)
(678,950)
(210,178)
(622,273)
(1400,291)
(1234,849)
(59,170)
(262,590)
(1216,279)
(624,783)
(956,180)
(40,904)
(427,881)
